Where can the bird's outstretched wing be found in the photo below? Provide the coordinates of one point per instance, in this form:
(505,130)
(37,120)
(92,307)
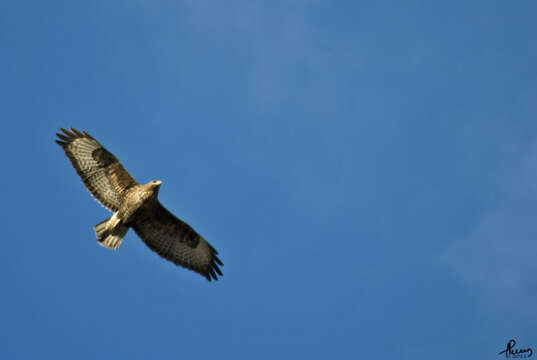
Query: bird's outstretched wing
(100,170)
(176,241)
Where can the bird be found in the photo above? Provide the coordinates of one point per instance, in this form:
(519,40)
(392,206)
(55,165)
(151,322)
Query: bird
(135,206)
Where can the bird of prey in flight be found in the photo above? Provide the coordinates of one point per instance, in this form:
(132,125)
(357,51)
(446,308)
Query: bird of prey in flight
(135,206)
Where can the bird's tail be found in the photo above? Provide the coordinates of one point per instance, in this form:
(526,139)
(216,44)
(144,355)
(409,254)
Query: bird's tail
(110,232)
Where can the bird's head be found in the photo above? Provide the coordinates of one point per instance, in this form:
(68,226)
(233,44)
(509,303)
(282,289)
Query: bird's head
(153,187)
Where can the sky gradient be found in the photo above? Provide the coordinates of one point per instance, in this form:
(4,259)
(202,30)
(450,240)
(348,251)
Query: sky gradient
(367,171)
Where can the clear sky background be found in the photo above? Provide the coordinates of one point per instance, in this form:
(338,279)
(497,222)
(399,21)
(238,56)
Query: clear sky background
(367,171)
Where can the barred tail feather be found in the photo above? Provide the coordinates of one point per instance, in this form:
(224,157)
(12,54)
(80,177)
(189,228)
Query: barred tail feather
(108,237)
(100,229)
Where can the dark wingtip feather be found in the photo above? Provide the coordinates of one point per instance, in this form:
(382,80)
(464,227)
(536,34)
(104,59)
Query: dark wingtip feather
(76,132)
(72,134)
(211,271)
(66,132)
(61,143)
(213,266)
(63,137)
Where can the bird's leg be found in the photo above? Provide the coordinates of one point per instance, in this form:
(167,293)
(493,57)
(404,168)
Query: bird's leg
(113,222)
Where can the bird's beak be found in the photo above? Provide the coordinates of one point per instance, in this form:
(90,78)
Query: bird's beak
(159,182)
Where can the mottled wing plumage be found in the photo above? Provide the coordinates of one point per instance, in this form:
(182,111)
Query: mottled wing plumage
(101,172)
(176,241)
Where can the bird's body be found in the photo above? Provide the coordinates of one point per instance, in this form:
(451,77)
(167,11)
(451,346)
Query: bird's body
(134,202)
(136,198)
(135,206)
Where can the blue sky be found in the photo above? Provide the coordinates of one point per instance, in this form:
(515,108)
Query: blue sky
(367,171)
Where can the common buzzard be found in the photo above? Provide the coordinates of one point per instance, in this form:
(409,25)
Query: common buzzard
(135,206)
